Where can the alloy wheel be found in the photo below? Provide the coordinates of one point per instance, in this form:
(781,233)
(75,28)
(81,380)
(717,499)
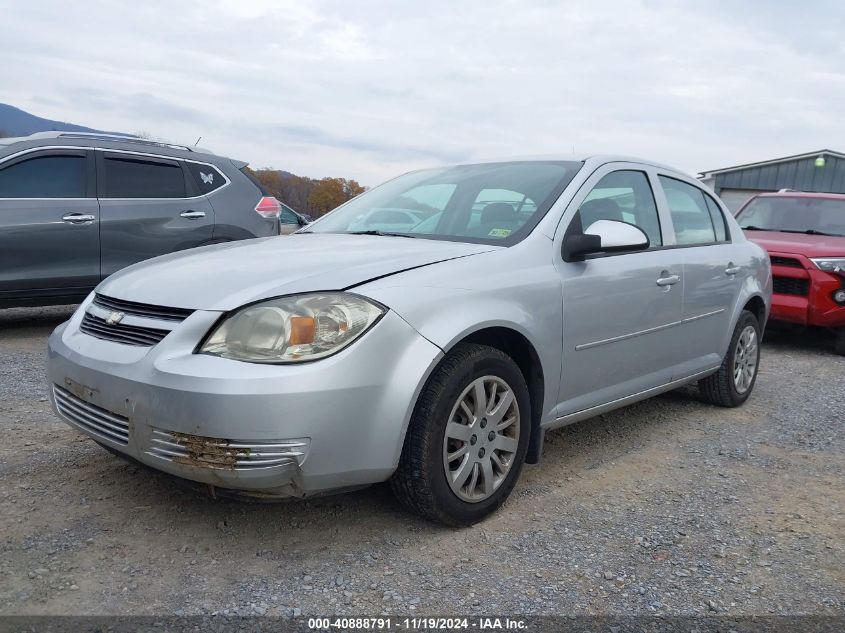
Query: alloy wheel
(745,359)
(481,439)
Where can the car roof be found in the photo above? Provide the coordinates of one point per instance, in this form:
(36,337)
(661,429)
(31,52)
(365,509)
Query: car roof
(124,142)
(593,160)
(801,194)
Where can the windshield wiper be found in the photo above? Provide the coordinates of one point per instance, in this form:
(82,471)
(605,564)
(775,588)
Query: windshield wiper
(808,232)
(382,233)
(755,228)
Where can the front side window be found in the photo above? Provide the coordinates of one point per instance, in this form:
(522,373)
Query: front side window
(690,215)
(794,214)
(138,178)
(624,196)
(287,216)
(496,203)
(44,177)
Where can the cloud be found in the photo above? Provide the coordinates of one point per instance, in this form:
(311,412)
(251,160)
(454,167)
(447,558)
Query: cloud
(372,88)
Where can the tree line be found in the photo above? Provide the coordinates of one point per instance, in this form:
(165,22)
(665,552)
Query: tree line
(314,197)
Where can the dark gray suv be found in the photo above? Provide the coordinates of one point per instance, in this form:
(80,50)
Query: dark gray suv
(74,208)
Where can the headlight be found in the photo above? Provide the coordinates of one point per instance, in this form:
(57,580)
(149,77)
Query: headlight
(830,264)
(292,329)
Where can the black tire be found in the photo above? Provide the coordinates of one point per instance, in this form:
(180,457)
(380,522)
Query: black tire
(839,342)
(719,388)
(420,481)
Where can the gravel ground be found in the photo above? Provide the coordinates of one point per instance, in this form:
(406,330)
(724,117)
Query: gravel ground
(669,507)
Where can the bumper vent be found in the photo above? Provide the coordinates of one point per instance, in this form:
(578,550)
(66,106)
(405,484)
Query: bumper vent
(212,452)
(791,286)
(141,309)
(120,333)
(91,418)
(777,260)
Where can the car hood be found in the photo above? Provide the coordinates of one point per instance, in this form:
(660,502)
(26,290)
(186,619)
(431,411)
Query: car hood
(226,276)
(799,243)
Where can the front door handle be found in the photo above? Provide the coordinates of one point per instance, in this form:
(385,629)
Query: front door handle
(192,215)
(732,270)
(78,218)
(668,280)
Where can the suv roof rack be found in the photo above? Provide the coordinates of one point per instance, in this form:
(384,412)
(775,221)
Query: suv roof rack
(123,138)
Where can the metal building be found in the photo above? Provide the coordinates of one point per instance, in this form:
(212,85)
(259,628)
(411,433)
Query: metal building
(823,170)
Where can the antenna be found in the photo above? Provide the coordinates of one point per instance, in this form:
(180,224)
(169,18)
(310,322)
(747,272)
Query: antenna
(198,141)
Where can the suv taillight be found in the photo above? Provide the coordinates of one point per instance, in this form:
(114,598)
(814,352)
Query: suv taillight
(268,207)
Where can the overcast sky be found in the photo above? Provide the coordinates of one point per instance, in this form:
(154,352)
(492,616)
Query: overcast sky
(372,88)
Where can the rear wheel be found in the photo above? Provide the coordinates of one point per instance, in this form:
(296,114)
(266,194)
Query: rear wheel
(467,439)
(733,383)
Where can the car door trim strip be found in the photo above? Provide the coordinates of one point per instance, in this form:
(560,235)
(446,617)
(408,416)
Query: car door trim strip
(658,328)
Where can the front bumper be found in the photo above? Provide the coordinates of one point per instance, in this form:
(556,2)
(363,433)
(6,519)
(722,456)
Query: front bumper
(803,294)
(273,430)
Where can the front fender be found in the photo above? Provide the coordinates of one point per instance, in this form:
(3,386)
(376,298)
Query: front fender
(446,316)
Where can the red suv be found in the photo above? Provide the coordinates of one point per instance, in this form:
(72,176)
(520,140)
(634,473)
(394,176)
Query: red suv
(805,236)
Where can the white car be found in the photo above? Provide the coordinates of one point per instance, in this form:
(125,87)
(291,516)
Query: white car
(435,357)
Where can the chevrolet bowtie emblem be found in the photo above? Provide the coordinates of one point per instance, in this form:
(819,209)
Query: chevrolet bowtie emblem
(114,318)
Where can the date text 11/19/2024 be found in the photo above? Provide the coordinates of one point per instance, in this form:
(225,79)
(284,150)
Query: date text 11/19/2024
(416,624)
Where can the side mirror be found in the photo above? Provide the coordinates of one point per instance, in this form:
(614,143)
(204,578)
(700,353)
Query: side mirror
(604,236)
(301,220)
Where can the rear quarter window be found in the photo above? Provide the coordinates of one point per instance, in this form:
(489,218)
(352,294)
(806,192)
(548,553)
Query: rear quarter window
(207,177)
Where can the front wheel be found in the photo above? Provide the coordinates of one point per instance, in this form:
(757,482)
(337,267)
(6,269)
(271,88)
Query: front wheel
(733,383)
(467,439)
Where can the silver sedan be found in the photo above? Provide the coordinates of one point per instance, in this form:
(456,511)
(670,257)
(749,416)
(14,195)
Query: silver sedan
(529,295)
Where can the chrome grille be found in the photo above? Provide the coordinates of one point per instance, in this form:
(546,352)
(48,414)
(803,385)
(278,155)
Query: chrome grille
(91,418)
(141,309)
(212,452)
(120,332)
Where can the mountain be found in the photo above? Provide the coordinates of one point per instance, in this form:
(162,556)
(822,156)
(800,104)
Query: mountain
(16,122)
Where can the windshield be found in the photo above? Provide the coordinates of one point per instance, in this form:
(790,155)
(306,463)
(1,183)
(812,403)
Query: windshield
(496,203)
(794,214)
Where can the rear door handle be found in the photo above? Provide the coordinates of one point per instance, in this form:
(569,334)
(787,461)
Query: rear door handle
(192,215)
(732,270)
(78,218)
(669,280)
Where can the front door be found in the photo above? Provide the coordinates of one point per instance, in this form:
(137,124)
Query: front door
(150,207)
(620,312)
(49,226)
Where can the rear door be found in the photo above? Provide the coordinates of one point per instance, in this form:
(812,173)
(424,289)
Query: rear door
(149,206)
(713,272)
(49,225)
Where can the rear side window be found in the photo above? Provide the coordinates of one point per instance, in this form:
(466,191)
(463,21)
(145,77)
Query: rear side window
(207,177)
(690,215)
(624,196)
(134,178)
(44,177)
(718,218)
